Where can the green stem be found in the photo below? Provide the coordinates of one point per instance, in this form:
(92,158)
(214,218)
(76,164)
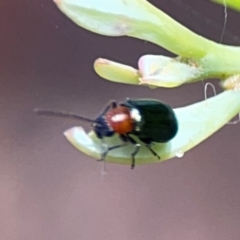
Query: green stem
(235,4)
(214,59)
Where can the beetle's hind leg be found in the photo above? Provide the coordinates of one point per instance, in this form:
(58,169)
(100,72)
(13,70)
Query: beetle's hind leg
(149,146)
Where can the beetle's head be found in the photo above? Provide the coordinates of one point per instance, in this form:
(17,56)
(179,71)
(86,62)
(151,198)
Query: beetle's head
(101,128)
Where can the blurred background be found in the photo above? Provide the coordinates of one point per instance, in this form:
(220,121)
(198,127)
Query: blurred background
(49,190)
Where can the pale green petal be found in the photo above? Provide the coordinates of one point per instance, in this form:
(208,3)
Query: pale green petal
(116,72)
(164,71)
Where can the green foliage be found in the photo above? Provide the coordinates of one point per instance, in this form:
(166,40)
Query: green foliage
(196,58)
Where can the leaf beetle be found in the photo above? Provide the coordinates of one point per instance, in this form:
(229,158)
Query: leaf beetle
(148,119)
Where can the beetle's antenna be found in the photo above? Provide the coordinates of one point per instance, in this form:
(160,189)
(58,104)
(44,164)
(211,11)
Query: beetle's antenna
(62,114)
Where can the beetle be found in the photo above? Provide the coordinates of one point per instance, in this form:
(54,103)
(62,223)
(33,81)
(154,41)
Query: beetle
(148,119)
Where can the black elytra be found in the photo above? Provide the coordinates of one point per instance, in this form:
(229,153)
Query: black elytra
(158,120)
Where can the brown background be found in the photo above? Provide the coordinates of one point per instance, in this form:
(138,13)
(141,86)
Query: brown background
(49,190)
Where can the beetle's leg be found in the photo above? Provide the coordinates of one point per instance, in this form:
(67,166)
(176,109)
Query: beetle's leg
(137,148)
(152,151)
(111,105)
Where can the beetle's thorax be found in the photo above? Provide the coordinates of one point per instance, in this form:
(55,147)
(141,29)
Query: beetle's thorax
(120,120)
